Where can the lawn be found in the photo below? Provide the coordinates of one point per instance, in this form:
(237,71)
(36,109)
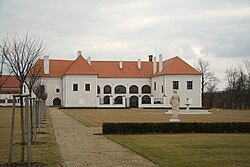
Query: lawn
(194,150)
(176,149)
(95,117)
(45,153)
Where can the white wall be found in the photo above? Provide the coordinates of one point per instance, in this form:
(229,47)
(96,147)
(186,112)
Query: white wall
(80,98)
(51,84)
(194,95)
(64,92)
(159,83)
(127,82)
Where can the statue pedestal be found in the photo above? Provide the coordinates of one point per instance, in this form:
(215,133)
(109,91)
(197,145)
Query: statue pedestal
(174,120)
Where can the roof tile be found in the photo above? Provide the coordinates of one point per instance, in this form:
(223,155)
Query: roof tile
(110,69)
(80,66)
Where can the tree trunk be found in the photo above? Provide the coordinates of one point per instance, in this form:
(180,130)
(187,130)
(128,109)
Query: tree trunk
(22,125)
(31,114)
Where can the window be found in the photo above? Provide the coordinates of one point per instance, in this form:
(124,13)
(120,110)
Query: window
(118,100)
(175,84)
(154,85)
(87,87)
(133,89)
(75,87)
(24,87)
(189,84)
(146,89)
(120,89)
(146,99)
(10,100)
(161,88)
(98,89)
(107,89)
(106,100)
(57,90)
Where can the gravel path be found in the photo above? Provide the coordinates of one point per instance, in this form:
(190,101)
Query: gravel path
(80,146)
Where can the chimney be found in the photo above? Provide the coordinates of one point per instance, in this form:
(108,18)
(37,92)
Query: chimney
(154,65)
(160,62)
(46,64)
(89,60)
(150,58)
(120,64)
(139,64)
(79,53)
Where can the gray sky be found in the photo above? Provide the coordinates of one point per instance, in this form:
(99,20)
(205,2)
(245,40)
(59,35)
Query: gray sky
(218,30)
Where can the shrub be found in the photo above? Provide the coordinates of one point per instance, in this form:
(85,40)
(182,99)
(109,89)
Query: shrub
(180,127)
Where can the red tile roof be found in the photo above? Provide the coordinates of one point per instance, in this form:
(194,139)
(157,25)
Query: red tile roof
(177,66)
(57,68)
(110,69)
(80,66)
(10,84)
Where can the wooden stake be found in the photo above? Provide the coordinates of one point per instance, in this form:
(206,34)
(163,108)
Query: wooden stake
(35,119)
(12,128)
(28,129)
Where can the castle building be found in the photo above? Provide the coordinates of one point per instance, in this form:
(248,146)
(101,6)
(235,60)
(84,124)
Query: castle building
(86,83)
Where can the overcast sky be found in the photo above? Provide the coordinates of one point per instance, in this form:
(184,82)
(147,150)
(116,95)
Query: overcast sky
(218,30)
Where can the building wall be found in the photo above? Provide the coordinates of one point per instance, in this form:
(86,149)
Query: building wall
(64,92)
(194,95)
(159,83)
(127,82)
(80,98)
(51,84)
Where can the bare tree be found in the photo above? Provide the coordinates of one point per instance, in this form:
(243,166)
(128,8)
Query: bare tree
(242,87)
(21,53)
(38,89)
(3,66)
(211,90)
(247,66)
(33,77)
(207,76)
(232,75)
(246,62)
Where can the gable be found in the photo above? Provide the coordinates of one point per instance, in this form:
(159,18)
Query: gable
(177,66)
(81,67)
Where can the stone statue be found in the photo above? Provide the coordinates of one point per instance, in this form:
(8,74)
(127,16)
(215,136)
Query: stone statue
(175,103)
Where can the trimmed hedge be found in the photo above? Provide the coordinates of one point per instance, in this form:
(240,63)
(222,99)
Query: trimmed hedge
(174,127)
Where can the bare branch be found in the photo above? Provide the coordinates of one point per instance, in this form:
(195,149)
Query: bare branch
(207,76)
(21,54)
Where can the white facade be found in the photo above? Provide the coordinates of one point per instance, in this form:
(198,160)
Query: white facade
(193,94)
(81,97)
(83,84)
(52,84)
(161,90)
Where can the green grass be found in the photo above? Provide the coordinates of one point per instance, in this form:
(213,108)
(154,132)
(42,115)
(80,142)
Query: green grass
(95,117)
(194,150)
(46,153)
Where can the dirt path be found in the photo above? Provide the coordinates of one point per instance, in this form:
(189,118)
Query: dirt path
(80,147)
